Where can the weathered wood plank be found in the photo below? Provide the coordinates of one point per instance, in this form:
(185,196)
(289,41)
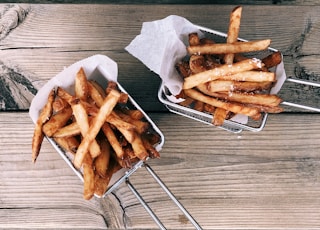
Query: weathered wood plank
(54,36)
(268,179)
(51,37)
(225,2)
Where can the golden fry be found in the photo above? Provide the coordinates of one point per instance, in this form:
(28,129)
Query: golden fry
(88,181)
(233,32)
(57,121)
(72,129)
(219,116)
(82,119)
(102,161)
(113,140)
(258,99)
(38,135)
(95,93)
(194,39)
(254,76)
(65,95)
(139,149)
(219,72)
(139,125)
(69,144)
(233,107)
(109,102)
(59,104)
(272,60)
(80,85)
(244,86)
(225,48)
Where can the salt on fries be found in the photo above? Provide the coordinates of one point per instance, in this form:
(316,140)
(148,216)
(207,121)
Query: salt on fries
(220,79)
(98,128)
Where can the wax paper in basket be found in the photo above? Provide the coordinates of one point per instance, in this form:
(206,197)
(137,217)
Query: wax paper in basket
(162,43)
(65,79)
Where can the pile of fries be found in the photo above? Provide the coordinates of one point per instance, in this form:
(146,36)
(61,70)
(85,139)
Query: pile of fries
(100,129)
(221,80)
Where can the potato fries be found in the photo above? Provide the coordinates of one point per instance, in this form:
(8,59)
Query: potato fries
(225,79)
(43,118)
(99,128)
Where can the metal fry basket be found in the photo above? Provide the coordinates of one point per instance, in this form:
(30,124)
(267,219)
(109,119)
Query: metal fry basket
(234,125)
(100,73)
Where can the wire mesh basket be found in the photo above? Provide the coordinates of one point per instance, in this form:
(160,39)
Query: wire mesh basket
(95,66)
(233,125)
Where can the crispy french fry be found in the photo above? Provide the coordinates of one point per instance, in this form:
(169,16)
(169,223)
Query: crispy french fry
(88,181)
(38,135)
(69,144)
(82,119)
(219,72)
(219,116)
(194,39)
(272,60)
(139,149)
(114,142)
(199,106)
(72,129)
(133,113)
(98,87)
(233,32)
(140,126)
(57,121)
(109,102)
(80,85)
(95,93)
(225,48)
(254,76)
(59,104)
(244,86)
(153,153)
(259,99)
(116,120)
(102,161)
(184,69)
(65,95)
(233,107)
(101,183)
(197,63)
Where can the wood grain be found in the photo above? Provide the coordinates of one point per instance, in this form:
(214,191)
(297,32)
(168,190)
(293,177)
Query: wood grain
(53,36)
(268,179)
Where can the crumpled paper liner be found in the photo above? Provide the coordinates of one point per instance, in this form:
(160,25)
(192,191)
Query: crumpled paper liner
(66,77)
(160,44)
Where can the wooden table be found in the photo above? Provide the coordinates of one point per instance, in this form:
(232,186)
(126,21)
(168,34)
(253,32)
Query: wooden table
(264,180)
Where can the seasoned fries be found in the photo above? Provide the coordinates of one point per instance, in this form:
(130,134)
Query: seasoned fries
(226,79)
(43,118)
(99,128)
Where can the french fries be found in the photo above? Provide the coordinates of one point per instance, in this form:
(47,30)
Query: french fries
(98,128)
(43,118)
(225,79)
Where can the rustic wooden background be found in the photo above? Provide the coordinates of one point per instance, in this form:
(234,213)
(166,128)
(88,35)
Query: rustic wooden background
(24,69)
(265,180)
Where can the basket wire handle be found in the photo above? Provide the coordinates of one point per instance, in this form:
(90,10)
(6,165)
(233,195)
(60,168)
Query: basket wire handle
(298,105)
(169,193)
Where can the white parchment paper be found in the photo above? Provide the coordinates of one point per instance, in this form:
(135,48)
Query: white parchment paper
(161,43)
(65,79)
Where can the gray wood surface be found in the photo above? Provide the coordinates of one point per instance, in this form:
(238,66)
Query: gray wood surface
(263,180)
(40,40)
(267,180)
